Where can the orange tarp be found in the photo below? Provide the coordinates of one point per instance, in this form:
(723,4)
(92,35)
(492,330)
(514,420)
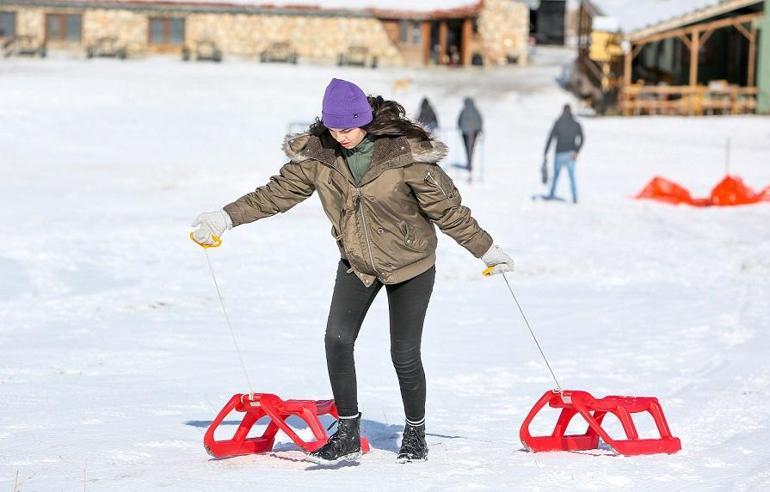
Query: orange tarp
(730,191)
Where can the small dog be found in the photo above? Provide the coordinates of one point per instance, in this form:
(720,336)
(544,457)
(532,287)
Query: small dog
(401,85)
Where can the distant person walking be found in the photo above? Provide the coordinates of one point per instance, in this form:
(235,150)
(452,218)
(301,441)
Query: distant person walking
(427,116)
(569,140)
(470,126)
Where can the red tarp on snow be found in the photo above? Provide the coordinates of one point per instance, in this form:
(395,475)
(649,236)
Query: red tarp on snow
(729,191)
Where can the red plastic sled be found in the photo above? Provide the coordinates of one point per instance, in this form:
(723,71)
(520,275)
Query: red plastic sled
(259,405)
(593,411)
(730,191)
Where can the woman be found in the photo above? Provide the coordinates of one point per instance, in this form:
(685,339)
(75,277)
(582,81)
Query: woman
(377,176)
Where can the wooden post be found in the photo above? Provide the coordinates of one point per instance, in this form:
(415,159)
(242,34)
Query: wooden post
(628,61)
(694,51)
(443,31)
(752,55)
(467,39)
(605,76)
(427,42)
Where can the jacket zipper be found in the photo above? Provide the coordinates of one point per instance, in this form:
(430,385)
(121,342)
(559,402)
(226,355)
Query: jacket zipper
(366,233)
(429,178)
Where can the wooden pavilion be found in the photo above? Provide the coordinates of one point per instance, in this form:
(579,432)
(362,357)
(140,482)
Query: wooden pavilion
(687,61)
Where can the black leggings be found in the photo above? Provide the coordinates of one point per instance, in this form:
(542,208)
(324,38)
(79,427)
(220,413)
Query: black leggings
(469,139)
(408,302)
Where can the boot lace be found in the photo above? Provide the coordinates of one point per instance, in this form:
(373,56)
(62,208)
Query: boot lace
(413,443)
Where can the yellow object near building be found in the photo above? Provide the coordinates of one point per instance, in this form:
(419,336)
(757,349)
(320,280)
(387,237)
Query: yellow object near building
(604,46)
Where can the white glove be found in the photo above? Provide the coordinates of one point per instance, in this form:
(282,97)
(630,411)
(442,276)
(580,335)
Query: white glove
(210,224)
(498,260)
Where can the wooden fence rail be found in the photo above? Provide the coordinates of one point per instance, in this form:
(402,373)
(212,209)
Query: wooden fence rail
(687,100)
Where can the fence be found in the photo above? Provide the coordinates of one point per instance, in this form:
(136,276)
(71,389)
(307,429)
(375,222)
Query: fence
(688,100)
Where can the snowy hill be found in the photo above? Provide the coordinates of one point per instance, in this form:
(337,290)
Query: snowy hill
(115,355)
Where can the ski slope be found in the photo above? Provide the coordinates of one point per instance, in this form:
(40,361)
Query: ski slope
(115,354)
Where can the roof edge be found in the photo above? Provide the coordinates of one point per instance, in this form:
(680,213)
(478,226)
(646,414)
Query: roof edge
(690,18)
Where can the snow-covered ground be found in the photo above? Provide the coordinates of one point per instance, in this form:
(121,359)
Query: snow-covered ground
(114,354)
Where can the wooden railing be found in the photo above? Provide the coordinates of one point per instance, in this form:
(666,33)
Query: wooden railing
(687,100)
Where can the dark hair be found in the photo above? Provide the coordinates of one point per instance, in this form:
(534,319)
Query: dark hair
(389,121)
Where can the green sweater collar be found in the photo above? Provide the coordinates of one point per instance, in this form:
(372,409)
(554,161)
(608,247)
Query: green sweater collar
(359,157)
(365,147)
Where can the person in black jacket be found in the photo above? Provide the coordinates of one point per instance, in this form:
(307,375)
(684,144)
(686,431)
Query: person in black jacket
(470,126)
(569,140)
(427,117)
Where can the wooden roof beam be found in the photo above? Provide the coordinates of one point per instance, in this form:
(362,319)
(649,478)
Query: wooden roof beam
(708,26)
(721,8)
(706,35)
(743,31)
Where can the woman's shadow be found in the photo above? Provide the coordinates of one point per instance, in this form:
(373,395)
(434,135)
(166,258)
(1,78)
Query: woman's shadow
(380,435)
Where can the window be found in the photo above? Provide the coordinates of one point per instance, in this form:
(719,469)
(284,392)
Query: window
(403,31)
(74,25)
(416,32)
(168,31)
(64,27)
(410,32)
(7,24)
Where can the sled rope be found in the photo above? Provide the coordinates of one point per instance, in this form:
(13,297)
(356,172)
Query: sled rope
(558,386)
(229,325)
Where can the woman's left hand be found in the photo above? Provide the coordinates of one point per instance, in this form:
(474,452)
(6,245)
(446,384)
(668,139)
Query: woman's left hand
(497,260)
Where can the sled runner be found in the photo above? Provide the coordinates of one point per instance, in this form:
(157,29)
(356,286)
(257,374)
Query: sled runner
(259,405)
(581,403)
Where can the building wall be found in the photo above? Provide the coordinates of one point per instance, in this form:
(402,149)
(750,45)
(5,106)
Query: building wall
(29,22)
(129,27)
(317,38)
(504,31)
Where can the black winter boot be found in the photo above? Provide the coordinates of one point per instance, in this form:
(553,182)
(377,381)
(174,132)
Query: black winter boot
(413,445)
(343,445)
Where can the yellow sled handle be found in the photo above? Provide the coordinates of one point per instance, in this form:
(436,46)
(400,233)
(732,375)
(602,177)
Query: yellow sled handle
(217,242)
(488,271)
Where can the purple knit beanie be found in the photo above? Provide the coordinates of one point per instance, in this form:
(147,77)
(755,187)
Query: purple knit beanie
(345,106)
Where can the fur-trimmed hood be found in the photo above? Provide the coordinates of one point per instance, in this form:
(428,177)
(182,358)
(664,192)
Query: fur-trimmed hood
(305,146)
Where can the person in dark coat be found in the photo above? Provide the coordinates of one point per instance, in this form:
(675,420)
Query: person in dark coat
(569,140)
(470,126)
(427,117)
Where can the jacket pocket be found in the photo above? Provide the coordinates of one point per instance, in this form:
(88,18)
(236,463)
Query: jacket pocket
(410,239)
(446,190)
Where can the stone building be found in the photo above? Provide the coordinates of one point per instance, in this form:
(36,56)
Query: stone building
(448,32)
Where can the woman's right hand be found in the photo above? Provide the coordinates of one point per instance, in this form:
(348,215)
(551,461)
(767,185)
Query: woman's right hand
(497,261)
(211,225)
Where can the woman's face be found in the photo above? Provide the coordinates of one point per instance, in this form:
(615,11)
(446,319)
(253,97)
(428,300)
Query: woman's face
(348,137)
